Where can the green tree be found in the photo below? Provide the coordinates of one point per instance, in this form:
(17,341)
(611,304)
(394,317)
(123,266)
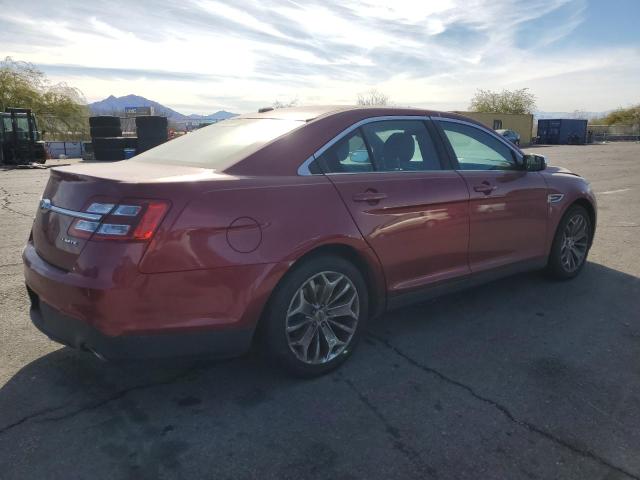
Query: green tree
(620,116)
(506,101)
(61,110)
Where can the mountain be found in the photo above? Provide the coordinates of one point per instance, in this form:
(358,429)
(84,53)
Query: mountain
(111,105)
(219,115)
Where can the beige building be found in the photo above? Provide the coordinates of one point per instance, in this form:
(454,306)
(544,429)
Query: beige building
(521,123)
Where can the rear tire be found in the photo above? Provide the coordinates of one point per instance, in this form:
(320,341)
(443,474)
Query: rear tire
(316,316)
(571,244)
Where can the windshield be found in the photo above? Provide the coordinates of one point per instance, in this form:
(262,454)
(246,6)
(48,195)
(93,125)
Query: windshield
(221,144)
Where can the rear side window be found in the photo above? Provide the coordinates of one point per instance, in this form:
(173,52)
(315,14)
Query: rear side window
(401,145)
(476,149)
(347,155)
(221,144)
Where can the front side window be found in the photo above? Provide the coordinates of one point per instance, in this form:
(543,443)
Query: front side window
(401,145)
(347,155)
(476,149)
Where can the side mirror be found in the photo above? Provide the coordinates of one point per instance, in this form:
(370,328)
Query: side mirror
(532,162)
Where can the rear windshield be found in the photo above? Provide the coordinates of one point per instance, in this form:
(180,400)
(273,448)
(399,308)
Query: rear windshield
(221,144)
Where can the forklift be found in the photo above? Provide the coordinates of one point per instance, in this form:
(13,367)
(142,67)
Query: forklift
(20,139)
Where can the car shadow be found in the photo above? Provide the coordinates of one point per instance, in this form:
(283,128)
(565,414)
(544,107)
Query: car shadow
(519,327)
(81,375)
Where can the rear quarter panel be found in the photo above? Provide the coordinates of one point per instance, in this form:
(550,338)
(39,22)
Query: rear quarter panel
(283,217)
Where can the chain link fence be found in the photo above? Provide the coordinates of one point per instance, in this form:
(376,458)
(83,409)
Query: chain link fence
(54,128)
(613,133)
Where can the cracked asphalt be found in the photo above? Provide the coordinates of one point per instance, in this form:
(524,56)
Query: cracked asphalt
(520,378)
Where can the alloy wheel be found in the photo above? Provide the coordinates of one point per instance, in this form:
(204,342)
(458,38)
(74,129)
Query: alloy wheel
(575,242)
(322,317)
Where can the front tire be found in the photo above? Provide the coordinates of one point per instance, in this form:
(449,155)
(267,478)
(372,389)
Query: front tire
(571,244)
(316,316)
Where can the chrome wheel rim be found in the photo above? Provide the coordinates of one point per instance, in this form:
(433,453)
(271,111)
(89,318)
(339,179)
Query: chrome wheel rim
(322,317)
(575,242)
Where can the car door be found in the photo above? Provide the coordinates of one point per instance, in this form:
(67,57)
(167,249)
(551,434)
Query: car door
(508,205)
(410,208)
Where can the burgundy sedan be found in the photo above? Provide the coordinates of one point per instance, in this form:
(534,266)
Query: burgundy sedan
(292,227)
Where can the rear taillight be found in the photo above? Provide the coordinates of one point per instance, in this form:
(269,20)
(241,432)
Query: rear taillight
(135,220)
(150,220)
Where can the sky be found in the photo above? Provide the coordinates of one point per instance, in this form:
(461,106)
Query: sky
(200,56)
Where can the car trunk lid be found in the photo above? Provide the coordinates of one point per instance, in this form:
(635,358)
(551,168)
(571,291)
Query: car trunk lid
(65,196)
(71,190)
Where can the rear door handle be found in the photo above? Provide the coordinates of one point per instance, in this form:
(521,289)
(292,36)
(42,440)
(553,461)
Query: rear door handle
(369,197)
(484,187)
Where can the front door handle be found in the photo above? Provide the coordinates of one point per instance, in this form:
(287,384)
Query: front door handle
(369,196)
(484,187)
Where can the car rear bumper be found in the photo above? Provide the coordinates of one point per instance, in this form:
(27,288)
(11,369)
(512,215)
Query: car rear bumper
(78,334)
(135,315)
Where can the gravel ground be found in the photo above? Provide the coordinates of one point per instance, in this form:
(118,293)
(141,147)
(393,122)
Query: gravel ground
(520,378)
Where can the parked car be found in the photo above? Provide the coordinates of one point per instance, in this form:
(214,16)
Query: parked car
(511,135)
(292,227)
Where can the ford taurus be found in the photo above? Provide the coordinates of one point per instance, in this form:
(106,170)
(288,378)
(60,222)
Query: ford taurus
(292,227)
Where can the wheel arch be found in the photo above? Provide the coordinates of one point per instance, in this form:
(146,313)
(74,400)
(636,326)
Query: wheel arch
(365,261)
(589,207)
(558,214)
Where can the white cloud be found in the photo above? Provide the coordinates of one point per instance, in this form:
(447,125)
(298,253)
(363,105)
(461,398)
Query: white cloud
(243,55)
(237,15)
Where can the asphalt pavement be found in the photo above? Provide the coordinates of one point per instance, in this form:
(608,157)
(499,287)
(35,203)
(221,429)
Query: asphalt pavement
(521,378)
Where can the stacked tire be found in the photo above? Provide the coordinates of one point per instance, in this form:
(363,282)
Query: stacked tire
(106,137)
(105,126)
(152,131)
(112,148)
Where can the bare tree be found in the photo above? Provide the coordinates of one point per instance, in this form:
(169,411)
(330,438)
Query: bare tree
(292,102)
(373,98)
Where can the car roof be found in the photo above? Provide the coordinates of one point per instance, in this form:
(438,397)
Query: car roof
(310,113)
(322,124)
(305,114)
